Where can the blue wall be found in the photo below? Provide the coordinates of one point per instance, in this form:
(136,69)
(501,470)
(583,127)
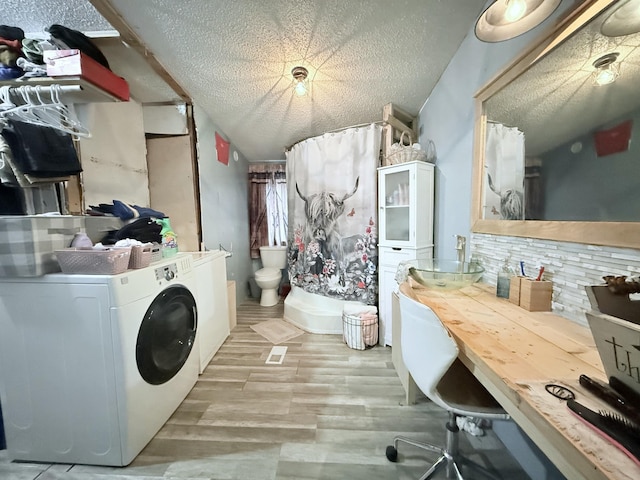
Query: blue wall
(447,118)
(223,203)
(574,186)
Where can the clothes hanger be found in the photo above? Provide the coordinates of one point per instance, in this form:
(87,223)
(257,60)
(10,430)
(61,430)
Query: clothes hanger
(52,113)
(69,120)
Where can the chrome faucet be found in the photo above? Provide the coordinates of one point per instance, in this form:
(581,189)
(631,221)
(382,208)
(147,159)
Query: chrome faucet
(461,243)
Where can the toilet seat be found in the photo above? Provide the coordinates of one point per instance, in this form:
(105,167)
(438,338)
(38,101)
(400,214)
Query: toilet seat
(267,273)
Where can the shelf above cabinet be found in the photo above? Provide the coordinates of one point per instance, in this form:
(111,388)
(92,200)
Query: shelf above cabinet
(86,92)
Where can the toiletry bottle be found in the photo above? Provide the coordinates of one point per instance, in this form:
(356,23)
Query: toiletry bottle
(169,239)
(504,281)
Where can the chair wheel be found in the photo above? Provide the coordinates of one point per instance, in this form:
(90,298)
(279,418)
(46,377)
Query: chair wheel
(392,453)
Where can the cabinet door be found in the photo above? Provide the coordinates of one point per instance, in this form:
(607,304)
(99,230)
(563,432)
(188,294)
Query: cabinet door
(395,215)
(388,285)
(405,197)
(389,258)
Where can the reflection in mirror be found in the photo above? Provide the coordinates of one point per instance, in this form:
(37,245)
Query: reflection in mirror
(561,145)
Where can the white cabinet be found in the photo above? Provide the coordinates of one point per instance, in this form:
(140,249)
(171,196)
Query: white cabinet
(405,198)
(210,270)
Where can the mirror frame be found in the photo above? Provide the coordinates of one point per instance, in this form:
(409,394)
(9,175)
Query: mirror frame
(614,234)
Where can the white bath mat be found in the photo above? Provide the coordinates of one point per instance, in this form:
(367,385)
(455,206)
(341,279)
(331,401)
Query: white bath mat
(277,331)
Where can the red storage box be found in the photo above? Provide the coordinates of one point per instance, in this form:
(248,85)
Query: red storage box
(66,63)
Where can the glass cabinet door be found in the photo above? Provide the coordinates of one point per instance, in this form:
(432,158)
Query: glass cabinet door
(405,201)
(397,211)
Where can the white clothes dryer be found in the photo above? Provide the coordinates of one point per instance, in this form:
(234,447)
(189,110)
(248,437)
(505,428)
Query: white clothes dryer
(210,271)
(92,366)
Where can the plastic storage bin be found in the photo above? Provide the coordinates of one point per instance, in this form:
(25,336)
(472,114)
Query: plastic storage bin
(140,256)
(108,261)
(360,326)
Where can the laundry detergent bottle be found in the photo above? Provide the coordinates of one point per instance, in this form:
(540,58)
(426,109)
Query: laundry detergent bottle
(169,238)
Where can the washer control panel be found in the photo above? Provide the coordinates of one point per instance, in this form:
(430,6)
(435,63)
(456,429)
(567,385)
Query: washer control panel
(166,273)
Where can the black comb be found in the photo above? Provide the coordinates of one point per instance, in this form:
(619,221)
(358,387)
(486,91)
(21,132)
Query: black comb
(618,430)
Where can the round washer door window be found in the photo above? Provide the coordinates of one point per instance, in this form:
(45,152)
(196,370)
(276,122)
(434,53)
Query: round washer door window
(166,335)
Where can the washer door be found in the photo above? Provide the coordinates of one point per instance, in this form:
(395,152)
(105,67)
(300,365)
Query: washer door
(166,335)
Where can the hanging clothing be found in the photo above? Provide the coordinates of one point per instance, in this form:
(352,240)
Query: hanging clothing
(41,151)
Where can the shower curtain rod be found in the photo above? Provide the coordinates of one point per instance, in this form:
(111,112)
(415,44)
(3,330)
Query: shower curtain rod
(494,122)
(337,130)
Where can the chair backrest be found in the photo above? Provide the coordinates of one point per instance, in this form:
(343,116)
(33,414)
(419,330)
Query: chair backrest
(428,349)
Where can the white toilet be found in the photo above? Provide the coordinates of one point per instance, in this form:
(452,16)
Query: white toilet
(274,259)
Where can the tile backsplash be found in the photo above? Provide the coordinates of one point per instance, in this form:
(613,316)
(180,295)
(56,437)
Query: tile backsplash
(570,266)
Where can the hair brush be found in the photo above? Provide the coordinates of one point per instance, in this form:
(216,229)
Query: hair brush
(614,427)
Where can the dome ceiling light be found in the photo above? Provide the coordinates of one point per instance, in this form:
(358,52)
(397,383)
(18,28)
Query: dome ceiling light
(506,19)
(624,20)
(300,82)
(606,69)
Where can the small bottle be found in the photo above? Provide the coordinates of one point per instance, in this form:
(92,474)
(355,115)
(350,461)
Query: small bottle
(169,239)
(504,281)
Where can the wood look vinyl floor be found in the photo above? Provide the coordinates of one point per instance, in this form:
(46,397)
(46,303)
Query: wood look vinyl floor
(327,412)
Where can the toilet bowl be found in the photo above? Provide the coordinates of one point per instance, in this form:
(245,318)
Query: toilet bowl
(274,259)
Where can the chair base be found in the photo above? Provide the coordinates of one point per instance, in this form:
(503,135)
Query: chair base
(449,458)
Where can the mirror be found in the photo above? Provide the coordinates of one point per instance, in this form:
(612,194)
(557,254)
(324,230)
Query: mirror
(557,156)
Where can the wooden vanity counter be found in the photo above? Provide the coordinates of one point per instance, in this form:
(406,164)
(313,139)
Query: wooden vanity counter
(515,353)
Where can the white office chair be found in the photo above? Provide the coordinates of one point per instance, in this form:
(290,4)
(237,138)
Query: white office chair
(430,354)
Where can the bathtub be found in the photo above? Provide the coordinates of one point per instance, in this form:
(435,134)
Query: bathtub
(315,313)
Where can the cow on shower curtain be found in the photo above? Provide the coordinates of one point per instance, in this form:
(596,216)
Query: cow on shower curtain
(331,181)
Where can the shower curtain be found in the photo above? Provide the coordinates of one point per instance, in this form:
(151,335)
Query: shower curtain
(504,173)
(332,186)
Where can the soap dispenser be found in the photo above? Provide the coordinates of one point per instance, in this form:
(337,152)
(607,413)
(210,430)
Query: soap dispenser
(504,280)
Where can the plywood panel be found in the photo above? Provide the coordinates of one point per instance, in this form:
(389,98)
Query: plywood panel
(114,160)
(172,189)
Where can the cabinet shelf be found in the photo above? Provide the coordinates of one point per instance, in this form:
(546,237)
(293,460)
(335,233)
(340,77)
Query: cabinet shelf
(86,92)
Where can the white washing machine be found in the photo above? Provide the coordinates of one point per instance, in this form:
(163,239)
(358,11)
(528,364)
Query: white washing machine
(210,270)
(92,366)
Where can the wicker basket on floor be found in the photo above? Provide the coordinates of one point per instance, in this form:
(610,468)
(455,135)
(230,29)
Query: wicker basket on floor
(357,333)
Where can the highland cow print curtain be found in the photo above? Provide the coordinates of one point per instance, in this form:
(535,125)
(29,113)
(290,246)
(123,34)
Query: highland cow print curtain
(332,187)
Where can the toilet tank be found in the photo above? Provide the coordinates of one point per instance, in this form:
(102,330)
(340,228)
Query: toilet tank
(273,257)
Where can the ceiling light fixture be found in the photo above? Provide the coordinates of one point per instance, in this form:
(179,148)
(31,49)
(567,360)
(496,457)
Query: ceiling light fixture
(606,69)
(624,20)
(506,19)
(300,82)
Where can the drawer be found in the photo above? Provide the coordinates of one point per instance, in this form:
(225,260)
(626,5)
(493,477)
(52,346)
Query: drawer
(393,256)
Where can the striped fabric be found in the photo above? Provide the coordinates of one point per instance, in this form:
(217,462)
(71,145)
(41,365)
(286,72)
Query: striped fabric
(28,243)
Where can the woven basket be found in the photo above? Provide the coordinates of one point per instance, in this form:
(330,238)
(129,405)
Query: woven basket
(401,153)
(108,261)
(357,334)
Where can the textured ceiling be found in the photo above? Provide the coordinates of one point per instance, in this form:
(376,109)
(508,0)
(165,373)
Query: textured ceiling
(234,58)
(556,101)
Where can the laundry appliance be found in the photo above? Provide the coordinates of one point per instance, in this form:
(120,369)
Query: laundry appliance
(92,366)
(210,271)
